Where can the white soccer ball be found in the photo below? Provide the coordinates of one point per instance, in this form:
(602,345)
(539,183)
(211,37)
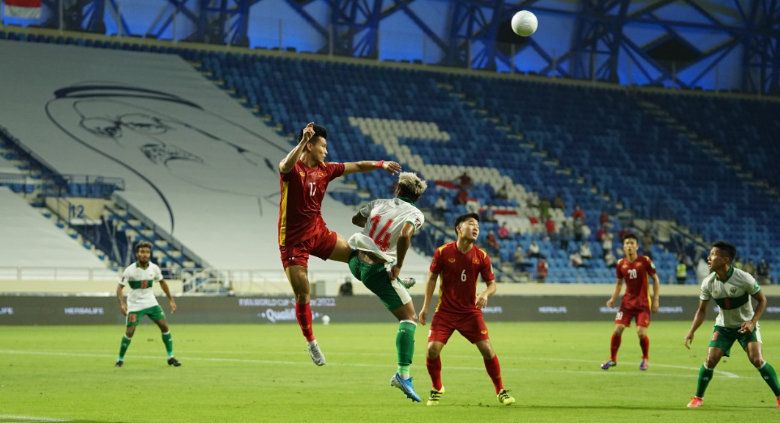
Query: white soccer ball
(325,319)
(524,23)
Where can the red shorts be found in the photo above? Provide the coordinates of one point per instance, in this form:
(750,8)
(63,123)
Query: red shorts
(320,245)
(470,324)
(624,317)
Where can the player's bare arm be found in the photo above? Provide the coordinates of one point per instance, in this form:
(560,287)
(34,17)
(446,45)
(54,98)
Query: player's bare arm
(615,293)
(430,286)
(750,325)
(402,246)
(656,293)
(698,319)
(287,163)
(120,296)
(369,165)
(171,301)
(482,299)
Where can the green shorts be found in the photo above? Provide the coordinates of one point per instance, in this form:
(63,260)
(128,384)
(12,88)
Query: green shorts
(155,313)
(375,278)
(723,338)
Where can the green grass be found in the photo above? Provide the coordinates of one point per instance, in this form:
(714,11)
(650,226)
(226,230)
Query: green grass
(242,373)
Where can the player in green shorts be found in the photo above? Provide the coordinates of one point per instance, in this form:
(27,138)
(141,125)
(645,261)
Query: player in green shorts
(140,278)
(732,290)
(379,252)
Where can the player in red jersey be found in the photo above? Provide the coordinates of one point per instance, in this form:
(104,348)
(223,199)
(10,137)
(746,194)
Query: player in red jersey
(459,307)
(636,304)
(303,178)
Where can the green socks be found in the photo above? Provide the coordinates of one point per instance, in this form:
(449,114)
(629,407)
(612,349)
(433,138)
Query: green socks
(123,347)
(168,341)
(404,345)
(705,376)
(770,376)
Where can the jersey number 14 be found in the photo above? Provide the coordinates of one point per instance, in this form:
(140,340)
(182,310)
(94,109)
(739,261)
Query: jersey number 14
(381,238)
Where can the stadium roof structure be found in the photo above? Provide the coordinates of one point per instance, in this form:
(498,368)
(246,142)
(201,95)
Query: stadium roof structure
(708,44)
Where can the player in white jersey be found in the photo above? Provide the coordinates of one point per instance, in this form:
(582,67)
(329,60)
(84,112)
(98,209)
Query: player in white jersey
(140,278)
(379,252)
(732,290)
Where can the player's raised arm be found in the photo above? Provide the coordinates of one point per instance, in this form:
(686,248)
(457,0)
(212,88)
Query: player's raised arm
(287,163)
(430,286)
(698,319)
(615,293)
(369,165)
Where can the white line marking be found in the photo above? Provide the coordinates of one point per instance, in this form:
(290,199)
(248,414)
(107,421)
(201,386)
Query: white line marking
(378,366)
(6,417)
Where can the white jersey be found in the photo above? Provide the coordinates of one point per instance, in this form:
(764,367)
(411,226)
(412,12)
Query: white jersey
(141,284)
(385,219)
(732,296)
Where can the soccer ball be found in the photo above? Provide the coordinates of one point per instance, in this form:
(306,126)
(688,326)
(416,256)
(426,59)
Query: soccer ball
(325,319)
(524,23)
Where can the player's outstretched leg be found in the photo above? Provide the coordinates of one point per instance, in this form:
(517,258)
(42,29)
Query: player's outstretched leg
(304,317)
(705,376)
(406,386)
(614,346)
(123,346)
(769,375)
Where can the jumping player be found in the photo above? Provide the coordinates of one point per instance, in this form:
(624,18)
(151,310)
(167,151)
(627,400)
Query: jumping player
(303,178)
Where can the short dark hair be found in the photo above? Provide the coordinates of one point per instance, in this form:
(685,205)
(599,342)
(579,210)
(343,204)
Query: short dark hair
(630,236)
(319,131)
(143,244)
(729,249)
(463,217)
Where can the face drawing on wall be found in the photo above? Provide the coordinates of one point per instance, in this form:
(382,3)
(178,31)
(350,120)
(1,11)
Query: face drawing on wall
(174,145)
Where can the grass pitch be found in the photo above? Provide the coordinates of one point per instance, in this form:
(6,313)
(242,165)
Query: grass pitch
(262,373)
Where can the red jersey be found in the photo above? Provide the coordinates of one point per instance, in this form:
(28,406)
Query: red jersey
(302,191)
(635,274)
(458,290)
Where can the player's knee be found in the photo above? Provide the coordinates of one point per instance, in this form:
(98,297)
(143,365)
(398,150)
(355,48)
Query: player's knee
(433,352)
(711,362)
(756,360)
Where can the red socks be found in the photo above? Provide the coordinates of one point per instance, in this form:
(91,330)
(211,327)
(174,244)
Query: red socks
(434,369)
(494,371)
(614,345)
(303,315)
(644,342)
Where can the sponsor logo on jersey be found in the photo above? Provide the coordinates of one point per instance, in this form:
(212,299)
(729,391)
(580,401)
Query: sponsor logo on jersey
(303,174)
(451,260)
(484,332)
